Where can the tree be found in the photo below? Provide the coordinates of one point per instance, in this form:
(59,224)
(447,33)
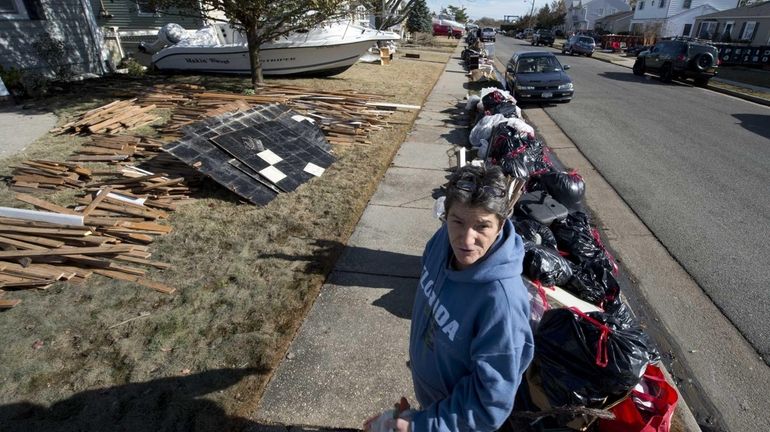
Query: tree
(394,12)
(544,17)
(558,12)
(459,13)
(419,20)
(263,20)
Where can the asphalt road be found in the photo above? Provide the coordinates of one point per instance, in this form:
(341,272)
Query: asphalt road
(694,165)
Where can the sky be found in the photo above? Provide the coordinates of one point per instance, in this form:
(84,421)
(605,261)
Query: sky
(489,8)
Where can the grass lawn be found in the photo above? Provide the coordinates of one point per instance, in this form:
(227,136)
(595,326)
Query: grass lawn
(245,278)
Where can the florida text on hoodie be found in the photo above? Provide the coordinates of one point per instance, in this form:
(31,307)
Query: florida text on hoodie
(470,339)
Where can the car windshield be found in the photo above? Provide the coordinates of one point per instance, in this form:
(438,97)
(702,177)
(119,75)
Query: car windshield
(538,64)
(586,40)
(488,30)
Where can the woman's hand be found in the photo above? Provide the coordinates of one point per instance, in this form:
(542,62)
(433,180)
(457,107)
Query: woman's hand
(397,425)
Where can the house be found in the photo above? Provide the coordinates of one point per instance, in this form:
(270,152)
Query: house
(746,24)
(668,18)
(615,23)
(50,38)
(583,16)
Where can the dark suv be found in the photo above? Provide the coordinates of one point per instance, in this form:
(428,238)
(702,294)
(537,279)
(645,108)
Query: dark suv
(677,58)
(542,37)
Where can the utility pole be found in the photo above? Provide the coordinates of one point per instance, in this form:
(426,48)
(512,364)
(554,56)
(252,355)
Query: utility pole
(532,15)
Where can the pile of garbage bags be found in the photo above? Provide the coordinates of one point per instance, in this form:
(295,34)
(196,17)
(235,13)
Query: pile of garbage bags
(591,355)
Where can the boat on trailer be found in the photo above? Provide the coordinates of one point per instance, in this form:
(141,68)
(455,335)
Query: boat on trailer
(325,50)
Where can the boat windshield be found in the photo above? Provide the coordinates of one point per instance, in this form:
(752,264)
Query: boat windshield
(538,65)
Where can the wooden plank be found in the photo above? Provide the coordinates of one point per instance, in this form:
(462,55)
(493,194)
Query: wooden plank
(95,262)
(50,231)
(95,202)
(43,204)
(157,286)
(42,241)
(20,244)
(39,179)
(9,303)
(135,260)
(97,158)
(29,283)
(147,226)
(31,272)
(101,250)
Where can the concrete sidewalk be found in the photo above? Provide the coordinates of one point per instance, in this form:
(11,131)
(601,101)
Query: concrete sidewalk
(20,128)
(348,360)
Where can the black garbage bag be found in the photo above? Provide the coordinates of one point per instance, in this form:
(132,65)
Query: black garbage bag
(566,187)
(541,161)
(546,265)
(506,108)
(515,166)
(535,232)
(622,313)
(593,282)
(506,140)
(588,359)
(573,235)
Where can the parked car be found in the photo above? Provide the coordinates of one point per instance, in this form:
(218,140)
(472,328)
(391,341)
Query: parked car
(635,50)
(542,37)
(445,30)
(678,58)
(487,34)
(520,35)
(579,44)
(538,76)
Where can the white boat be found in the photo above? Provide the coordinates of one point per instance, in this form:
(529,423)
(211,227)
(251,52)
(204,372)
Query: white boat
(325,50)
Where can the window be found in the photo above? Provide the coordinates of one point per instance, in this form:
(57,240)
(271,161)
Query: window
(146,7)
(641,5)
(707,30)
(652,3)
(748,30)
(662,3)
(687,30)
(13,9)
(686,4)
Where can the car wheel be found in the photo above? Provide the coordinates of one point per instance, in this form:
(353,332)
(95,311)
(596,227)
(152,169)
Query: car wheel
(701,81)
(563,51)
(589,54)
(639,67)
(551,45)
(666,73)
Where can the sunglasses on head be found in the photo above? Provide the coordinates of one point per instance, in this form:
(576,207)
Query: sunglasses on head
(472,187)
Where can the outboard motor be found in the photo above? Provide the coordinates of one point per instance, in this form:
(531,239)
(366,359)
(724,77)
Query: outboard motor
(169,34)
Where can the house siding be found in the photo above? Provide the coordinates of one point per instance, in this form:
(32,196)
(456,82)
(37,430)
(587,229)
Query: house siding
(674,17)
(64,19)
(739,16)
(761,34)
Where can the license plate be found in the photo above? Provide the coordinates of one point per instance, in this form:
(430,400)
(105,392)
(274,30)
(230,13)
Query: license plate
(546,95)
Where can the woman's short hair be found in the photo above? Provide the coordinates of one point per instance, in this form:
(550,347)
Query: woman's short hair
(479,186)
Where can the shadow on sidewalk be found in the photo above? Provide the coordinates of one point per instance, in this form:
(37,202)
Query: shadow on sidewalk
(165,404)
(398,301)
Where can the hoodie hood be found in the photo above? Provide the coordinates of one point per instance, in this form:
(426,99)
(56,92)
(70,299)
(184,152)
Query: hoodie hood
(502,261)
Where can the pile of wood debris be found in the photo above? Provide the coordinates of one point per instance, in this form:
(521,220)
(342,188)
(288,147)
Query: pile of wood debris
(107,231)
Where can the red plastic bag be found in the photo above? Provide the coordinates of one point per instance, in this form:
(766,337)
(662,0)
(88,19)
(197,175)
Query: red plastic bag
(642,411)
